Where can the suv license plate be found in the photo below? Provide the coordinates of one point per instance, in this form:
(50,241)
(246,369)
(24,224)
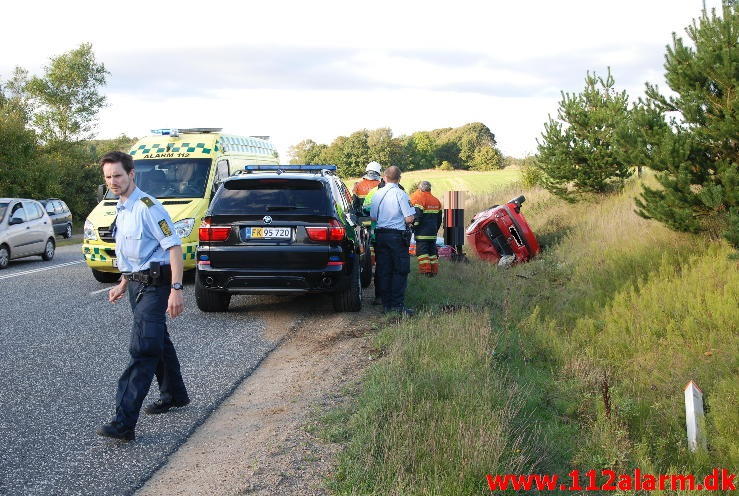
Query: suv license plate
(267,233)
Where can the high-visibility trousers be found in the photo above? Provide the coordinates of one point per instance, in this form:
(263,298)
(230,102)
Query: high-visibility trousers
(427,255)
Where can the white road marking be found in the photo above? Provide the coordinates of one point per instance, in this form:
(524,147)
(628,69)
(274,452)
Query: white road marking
(33,271)
(100,290)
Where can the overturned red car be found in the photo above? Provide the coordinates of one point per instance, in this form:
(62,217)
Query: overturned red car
(501,234)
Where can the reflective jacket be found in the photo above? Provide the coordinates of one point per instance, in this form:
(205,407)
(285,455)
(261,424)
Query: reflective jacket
(360,190)
(428,214)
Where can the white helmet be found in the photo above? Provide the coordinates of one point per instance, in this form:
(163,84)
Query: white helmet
(373,167)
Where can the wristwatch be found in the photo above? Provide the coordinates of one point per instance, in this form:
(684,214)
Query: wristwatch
(177,285)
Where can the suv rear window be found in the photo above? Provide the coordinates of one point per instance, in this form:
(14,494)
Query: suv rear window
(261,196)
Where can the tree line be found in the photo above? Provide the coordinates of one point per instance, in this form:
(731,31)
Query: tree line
(47,123)
(471,146)
(688,137)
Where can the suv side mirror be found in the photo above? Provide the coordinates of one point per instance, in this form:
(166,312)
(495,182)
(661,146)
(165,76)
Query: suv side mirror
(100,192)
(214,189)
(14,221)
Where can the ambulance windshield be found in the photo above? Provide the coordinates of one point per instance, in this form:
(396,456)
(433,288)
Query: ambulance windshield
(172,177)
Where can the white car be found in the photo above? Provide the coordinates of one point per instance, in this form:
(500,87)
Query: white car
(25,230)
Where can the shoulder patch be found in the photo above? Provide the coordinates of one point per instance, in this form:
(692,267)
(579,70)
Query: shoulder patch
(164,227)
(147,201)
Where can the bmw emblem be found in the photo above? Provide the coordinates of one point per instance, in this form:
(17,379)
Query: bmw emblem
(267,219)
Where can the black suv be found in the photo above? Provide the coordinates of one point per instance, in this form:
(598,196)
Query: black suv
(281,230)
(60,215)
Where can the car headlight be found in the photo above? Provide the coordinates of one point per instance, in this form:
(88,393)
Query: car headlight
(90,233)
(183,228)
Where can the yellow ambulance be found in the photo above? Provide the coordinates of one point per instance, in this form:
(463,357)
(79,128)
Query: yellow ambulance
(182,168)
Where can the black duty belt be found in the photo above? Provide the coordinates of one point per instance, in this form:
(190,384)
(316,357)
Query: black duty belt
(388,230)
(144,276)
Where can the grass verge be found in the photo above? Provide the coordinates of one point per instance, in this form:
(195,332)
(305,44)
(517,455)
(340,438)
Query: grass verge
(575,360)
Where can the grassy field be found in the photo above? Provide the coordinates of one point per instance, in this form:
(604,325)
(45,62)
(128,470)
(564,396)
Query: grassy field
(577,359)
(472,181)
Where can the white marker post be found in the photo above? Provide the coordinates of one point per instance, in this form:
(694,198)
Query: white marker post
(694,417)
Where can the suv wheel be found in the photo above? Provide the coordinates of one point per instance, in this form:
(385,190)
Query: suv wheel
(101,276)
(350,300)
(210,301)
(48,253)
(68,232)
(4,256)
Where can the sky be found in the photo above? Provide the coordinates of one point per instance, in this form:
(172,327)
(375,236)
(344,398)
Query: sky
(319,69)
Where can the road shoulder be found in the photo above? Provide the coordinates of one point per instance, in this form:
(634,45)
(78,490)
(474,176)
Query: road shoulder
(256,441)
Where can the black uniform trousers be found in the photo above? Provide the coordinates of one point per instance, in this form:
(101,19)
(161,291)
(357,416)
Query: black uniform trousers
(393,266)
(152,353)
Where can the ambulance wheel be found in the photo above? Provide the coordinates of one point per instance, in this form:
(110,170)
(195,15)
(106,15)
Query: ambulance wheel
(101,276)
(350,299)
(210,301)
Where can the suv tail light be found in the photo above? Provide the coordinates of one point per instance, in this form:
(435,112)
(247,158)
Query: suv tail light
(213,233)
(335,232)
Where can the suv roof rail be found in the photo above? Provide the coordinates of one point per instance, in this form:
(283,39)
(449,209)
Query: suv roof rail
(174,132)
(315,168)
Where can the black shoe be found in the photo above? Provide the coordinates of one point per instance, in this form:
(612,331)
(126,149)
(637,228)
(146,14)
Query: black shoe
(402,311)
(160,406)
(116,431)
(377,301)
(407,312)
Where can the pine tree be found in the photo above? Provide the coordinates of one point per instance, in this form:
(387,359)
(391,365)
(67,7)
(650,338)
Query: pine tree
(578,152)
(695,151)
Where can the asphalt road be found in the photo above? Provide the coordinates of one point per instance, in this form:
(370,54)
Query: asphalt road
(62,348)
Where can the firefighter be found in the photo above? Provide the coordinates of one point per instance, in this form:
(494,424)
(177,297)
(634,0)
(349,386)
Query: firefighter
(425,227)
(370,180)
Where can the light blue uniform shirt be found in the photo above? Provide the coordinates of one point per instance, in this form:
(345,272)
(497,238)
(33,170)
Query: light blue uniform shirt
(390,206)
(143,233)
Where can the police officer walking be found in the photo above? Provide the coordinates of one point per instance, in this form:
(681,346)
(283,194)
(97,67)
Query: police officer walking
(391,209)
(149,255)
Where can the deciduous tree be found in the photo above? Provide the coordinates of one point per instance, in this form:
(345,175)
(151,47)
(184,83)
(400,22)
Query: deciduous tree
(67,97)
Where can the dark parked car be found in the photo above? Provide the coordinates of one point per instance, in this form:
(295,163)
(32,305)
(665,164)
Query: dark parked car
(282,230)
(25,230)
(60,216)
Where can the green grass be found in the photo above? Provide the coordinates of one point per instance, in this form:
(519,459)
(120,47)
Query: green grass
(577,359)
(458,180)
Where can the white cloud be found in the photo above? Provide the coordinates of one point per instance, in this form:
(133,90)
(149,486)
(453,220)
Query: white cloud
(319,69)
